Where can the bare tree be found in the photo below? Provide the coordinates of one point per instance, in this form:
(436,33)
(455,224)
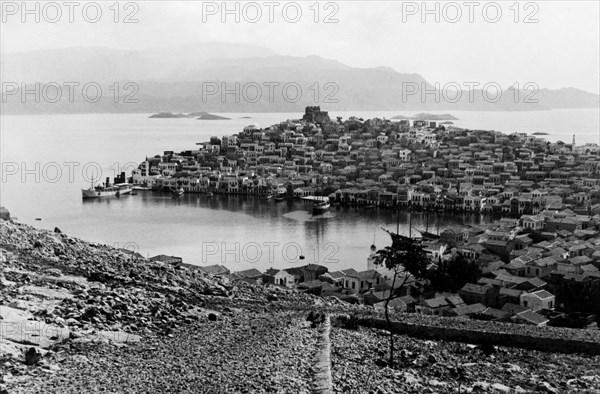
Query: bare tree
(406,258)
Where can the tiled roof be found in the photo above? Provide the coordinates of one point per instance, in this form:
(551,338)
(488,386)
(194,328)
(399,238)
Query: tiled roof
(436,302)
(469,309)
(250,273)
(473,288)
(537,282)
(532,317)
(541,294)
(514,308)
(510,292)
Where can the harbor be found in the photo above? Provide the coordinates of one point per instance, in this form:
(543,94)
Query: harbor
(153,222)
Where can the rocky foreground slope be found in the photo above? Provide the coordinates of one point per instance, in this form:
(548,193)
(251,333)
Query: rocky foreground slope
(77,309)
(80,317)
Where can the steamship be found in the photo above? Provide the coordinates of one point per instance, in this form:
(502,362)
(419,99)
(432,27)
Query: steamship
(320,207)
(107,190)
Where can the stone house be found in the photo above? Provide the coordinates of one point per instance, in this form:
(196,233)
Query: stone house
(473,294)
(167,259)
(279,277)
(538,300)
(215,269)
(434,306)
(535,222)
(400,304)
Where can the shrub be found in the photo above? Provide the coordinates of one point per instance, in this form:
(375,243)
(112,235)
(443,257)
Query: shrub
(347,322)
(316,318)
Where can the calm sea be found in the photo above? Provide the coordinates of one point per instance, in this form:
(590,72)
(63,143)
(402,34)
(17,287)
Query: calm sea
(47,159)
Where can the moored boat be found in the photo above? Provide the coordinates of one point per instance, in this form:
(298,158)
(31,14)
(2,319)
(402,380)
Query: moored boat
(107,190)
(320,207)
(177,192)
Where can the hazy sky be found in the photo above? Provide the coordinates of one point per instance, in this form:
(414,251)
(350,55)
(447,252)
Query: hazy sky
(559,49)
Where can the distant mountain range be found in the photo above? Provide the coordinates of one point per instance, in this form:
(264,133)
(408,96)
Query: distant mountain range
(172,80)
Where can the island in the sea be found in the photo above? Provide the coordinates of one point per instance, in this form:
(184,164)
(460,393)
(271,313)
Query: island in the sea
(539,133)
(199,115)
(167,115)
(207,116)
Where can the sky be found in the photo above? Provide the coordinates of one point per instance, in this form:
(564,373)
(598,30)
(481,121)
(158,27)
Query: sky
(553,44)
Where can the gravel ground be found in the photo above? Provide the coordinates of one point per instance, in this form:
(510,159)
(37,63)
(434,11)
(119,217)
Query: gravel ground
(431,366)
(242,351)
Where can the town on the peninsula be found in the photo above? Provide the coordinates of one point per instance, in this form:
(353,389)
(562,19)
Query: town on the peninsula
(536,263)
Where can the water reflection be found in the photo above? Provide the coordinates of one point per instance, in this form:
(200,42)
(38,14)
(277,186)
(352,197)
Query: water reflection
(339,238)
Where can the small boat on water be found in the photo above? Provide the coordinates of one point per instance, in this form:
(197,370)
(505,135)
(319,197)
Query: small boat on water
(177,192)
(280,197)
(320,207)
(107,190)
(209,194)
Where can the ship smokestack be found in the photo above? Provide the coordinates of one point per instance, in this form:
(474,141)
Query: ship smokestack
(107,181)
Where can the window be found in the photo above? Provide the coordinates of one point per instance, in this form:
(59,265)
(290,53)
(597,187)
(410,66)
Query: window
(524,303)
(353,285)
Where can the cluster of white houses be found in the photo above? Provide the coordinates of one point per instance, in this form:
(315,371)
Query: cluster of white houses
(387,163)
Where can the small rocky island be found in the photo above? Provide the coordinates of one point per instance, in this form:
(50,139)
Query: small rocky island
(207,116)
(199,115)
(167,115)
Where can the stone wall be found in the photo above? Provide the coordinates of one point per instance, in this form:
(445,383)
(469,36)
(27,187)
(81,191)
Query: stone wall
(479,337)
